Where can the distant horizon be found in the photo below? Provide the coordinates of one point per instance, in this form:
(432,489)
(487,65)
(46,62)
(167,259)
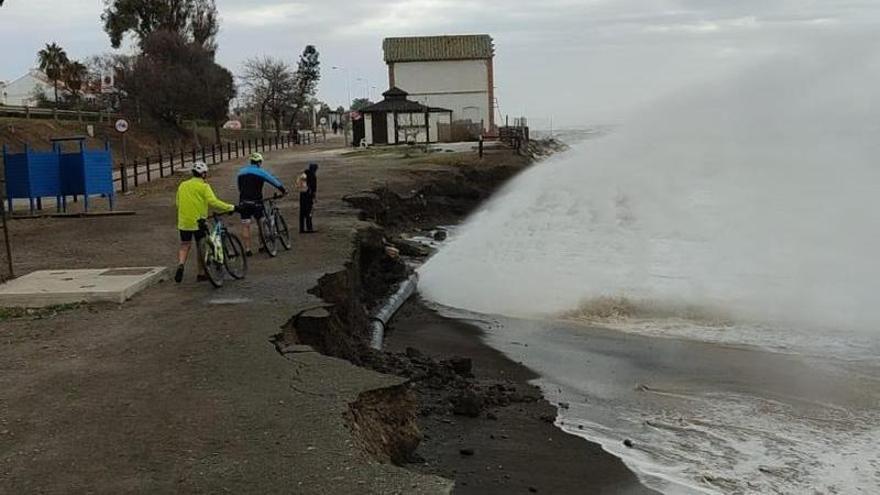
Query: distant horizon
(570,61)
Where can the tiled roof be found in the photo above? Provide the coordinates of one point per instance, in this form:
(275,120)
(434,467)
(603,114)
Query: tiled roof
(430,48)
(395,101)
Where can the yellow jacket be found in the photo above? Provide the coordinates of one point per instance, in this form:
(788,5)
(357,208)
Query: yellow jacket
(194,197)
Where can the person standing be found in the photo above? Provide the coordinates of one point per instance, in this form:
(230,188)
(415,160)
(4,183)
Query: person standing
(194,199)
(307,184)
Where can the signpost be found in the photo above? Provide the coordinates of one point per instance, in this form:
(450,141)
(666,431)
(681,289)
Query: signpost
(122,127)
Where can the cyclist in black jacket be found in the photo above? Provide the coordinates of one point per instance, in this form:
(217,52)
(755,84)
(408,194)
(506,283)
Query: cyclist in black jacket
(250,189)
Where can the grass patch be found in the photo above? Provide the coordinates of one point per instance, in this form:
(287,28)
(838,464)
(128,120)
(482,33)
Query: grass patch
(7,314)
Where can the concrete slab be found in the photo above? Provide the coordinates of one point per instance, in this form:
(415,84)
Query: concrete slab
(54,287)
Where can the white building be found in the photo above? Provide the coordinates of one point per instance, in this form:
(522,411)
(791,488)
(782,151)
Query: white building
(22,91)
(454,72)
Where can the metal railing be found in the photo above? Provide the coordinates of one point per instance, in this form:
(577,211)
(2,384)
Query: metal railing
(127,177)
(35,112)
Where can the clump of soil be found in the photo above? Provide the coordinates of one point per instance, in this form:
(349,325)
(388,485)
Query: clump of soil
(449,387)
(448,198)
(341,327)
(383,422)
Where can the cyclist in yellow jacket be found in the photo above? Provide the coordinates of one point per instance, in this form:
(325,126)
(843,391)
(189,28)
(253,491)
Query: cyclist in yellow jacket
(194,198)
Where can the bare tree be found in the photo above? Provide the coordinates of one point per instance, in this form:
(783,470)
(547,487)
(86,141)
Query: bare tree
(269,83)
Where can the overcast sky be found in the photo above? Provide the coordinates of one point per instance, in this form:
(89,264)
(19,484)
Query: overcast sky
(579,61)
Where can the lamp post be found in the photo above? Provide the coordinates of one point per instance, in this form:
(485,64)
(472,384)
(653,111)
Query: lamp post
(347,83)
(366,87)
(347,105)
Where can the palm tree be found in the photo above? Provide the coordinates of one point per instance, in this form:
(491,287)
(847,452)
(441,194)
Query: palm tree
(74,75)
(52,60)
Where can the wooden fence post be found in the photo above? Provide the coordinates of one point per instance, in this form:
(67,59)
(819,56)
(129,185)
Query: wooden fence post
(136,178)
(193,155)
(161,166)
(204,159)
(123,174)
(228,150)
(214,154)
(171,156)
(182,158)
(148,168)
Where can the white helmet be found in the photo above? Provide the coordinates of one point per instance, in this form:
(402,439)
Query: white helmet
(200,167)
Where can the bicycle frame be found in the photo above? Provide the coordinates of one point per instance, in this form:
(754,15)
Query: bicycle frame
(215,237)
(269,210)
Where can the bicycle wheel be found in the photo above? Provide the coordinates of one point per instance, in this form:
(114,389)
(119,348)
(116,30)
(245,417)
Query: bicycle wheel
(268,237)
(210,260)
(283,231)
(235,260)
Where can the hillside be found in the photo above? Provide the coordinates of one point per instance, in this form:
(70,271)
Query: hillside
(141,140)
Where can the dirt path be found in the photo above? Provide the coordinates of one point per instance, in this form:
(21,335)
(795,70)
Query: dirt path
(172,392)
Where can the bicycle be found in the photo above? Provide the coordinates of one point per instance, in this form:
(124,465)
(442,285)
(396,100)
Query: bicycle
(221,252)
(273,228)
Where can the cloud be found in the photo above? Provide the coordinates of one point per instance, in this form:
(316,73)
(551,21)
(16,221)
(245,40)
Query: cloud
(283,14)
(577,60)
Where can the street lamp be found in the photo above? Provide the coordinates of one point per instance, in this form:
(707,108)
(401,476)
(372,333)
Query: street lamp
(347,83)
(366,87)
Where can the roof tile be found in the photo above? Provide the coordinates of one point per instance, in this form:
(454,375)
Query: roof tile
(433,48)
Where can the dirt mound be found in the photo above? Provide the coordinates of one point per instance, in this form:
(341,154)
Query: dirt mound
(383,422)
(448,198)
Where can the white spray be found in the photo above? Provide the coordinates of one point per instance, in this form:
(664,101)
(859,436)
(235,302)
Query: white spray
(758,197)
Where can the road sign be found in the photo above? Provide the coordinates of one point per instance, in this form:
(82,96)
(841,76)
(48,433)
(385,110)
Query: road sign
(122,126)
(323,120)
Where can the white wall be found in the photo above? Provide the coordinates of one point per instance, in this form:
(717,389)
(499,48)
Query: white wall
(442,76)
(411,127)
(20,92)
(461,86)
(389,121)
(368,128)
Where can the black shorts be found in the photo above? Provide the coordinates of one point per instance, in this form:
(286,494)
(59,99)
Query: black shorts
(251,209)
(187,235)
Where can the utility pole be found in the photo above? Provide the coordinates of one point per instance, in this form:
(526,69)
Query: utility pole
(346,123)
(6,239)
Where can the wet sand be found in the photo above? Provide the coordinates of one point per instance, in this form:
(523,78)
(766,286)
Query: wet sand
(516,448)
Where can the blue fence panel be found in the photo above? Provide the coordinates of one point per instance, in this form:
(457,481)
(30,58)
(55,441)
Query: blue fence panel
(45,175)
(17,176)
(72,182)
(98,172)
(32,175)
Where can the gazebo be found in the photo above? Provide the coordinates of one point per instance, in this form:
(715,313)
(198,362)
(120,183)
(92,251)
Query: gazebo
(397,120)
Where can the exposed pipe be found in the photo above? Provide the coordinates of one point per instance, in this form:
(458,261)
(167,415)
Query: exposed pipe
(380,318)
